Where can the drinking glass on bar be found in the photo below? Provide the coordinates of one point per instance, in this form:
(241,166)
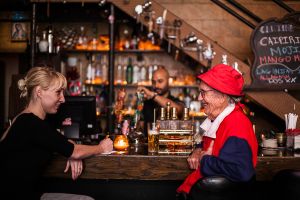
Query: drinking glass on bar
(153,139)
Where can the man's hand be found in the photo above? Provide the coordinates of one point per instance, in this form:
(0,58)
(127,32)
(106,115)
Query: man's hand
(195,158)
(148,94)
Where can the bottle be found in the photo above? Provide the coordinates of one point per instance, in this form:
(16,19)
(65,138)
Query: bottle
(150,72)
(186,114)
(129,71)
(162,114)
(43,44)
(50,40)
(162,122)
(143,74)
(136,74)
(174,113)
(181,95)
(174,122)
(168,111)
(98,70)
(195,105)
(187,98)
(82,40)
(89,73)
(119,72)
(186,123)
(104,70)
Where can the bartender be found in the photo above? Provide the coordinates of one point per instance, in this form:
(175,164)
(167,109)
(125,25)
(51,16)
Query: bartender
(158,96)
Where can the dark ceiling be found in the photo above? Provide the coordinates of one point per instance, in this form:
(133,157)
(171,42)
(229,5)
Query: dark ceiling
(14,5)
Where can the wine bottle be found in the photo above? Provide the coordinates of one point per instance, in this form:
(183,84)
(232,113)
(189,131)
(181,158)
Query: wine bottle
(129,71)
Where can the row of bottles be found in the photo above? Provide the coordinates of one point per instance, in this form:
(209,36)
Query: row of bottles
(97,70)
(133,73)
(128,70)
(51,41)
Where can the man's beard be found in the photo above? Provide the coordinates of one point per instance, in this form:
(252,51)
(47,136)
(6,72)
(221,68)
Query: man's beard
(161,92)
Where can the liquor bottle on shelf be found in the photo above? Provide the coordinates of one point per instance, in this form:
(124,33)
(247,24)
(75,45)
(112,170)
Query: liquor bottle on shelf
(195,106)
(181,95)
(187,98)
(119,72)
(143,74)
(43,44)
(104,70)
(89,72)
(150,73)
(136,74)
(98,70)
(82,40)
(124,71)
(50,40)
(129,71)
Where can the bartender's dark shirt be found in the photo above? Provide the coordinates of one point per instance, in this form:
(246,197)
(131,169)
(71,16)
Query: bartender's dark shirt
(148,110)
(24,154)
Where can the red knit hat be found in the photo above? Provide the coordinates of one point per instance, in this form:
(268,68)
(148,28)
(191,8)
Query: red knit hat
(225,79)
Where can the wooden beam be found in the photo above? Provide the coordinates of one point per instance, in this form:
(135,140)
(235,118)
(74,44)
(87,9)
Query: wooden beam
(278,102)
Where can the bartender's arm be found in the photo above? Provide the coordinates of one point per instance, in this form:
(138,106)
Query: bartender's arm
(161,100)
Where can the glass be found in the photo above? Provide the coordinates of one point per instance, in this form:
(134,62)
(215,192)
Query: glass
(153,140)
(121,143)
(202,92)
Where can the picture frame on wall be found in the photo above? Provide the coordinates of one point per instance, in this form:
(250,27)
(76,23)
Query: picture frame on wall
(19,31)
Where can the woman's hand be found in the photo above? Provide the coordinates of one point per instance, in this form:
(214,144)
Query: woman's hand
(76,167)
(106,145)
(195,158)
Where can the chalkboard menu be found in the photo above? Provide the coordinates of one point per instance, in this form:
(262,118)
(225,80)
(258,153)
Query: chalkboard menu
(276,45)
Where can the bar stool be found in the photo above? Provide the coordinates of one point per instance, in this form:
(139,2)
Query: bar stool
(287,184)
(220,188)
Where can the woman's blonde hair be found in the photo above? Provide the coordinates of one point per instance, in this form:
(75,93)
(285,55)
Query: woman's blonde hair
(40,76)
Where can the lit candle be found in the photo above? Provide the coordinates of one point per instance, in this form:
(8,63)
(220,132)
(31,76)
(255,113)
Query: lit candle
(121,143)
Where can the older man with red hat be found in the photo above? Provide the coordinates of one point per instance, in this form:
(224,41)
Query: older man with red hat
(229,144)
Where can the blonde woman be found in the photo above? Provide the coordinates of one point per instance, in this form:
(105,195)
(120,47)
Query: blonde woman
(27,146)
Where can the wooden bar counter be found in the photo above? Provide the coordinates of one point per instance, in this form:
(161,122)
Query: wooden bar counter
(135,164)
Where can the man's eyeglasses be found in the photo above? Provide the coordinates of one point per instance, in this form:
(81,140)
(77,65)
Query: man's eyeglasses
(202,92)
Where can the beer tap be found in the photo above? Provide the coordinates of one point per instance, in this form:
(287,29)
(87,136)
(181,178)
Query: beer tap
(224,59)
(208,52)
(236,67)
(172,32)
(140,9)
(177,24)
(193,43)
(160,21)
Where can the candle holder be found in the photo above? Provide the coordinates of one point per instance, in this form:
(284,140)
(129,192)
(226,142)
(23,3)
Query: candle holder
(121,143)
